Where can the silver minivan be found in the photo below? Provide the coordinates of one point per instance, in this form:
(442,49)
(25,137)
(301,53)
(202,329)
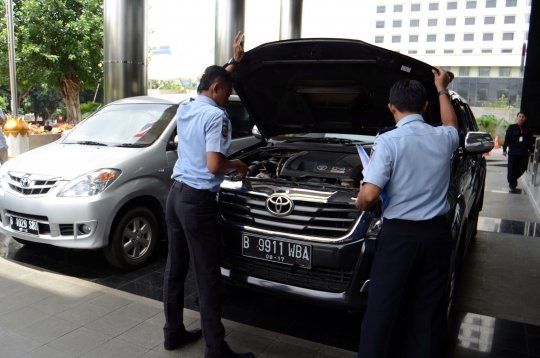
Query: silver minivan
(104,184)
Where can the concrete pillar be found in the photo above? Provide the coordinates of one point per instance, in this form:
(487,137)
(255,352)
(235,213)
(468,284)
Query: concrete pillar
(230,16)
(126,50)
(291,19)
(12,64)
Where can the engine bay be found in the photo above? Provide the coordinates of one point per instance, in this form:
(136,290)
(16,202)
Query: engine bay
(311,167)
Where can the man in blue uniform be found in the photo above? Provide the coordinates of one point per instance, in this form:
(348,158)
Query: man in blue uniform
(411,266)
(519,139)
(204,138)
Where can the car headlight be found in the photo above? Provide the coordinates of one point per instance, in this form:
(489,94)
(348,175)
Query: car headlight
(91,183)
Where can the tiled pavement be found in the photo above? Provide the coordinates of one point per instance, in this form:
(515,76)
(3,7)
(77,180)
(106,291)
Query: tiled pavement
(71,303)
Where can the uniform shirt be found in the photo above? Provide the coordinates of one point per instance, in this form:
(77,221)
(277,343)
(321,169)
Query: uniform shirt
(203,127)
(412,165)
(511,140)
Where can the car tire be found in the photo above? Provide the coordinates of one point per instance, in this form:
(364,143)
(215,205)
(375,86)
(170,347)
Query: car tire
(133,239)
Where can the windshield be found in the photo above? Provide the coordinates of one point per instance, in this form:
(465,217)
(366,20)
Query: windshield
(123,125)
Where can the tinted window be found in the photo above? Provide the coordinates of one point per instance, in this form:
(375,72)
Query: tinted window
(451,5)
(504,71)
(381,9)
(432,22)
(451,22)
(469,21)
(509,19)
(471,5)
(415,7)
(240,121)
(489,20)
(491,3)
(508,36)
(483,71)
(431,38)
(396,23)
(433,6)
(468,37)
(413,38)
(398,8)
(415,23)
(511,3)
(449,37)
(487,37)
(464,71)
(379,24)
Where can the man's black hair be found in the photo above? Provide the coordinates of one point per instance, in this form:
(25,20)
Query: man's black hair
(408,96)
(521,112)
(212,74)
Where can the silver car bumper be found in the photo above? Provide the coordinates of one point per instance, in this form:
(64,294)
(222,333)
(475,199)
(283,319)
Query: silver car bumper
(59,217)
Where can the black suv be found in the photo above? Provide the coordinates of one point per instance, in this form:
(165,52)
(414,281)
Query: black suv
(291,228)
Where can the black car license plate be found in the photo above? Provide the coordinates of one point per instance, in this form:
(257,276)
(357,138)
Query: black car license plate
(24,225)
(280,251)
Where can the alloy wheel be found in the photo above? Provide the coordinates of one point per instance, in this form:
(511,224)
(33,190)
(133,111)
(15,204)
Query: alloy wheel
(137,237)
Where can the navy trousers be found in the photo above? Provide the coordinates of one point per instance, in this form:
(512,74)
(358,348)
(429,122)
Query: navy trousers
(517,165)
(193,233)
(408,277)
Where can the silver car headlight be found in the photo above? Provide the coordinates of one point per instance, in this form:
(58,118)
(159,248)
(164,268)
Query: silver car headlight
(91,183)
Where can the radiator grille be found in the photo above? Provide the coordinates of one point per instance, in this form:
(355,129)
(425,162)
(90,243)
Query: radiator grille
(308,218)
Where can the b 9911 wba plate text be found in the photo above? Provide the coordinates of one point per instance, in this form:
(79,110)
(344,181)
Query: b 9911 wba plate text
(280,251)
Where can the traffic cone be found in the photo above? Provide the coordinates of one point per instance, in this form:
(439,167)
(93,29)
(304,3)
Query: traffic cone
(496,143)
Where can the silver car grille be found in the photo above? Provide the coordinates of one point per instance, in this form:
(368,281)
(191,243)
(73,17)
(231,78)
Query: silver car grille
(327,220)
(28,184)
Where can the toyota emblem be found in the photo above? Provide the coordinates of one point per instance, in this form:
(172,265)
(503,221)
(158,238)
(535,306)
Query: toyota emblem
(279,205)
(25,181)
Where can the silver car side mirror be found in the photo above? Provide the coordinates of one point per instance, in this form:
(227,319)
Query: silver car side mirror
(256,133)
(478,142)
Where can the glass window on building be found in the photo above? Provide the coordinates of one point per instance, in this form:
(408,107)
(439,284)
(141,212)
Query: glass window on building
(448,51)
(491,3)
(432,22)
(413,38)
(430,52)
(449,37)
(470,20)
(451,5)
(502,92)
(379,24)
(398,8)
(412,52)
(451,22)
(463,91)
(487,50)
(509,19)
(506,50)
(470,5)
(508,36)
(504,72)
(415,7)
(511,3)
(468,37)
(396,23)
(483,71)
(396,39)
(431,38)
(381,9)
(464,71)
(489,20)
(434,6)
(415,23)
(379,39)
(487,36)
(481,94)
(467,51)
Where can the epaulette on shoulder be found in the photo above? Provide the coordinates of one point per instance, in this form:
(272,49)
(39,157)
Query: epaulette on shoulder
(386,130)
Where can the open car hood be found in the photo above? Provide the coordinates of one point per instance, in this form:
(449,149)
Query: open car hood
(326,86)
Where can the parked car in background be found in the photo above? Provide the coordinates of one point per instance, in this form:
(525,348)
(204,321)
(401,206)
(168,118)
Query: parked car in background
(291,227)
(102,185)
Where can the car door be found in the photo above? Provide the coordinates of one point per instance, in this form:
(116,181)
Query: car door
(468,162)
(171,153)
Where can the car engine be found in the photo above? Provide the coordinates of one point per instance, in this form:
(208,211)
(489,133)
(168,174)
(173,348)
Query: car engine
(311,167)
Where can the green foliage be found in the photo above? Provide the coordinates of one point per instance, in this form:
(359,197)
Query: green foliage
(493,125)
(3,104)
(501,102)
(42,101)
(88,108)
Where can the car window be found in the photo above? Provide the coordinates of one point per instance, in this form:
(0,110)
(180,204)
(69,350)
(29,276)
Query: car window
(127,124)
(471,121)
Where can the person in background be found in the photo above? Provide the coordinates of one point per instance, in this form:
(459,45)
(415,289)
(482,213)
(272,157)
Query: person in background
(48,126)
(3,142)
(520,142)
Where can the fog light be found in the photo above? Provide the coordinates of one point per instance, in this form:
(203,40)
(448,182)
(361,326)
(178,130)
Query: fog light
(84,229)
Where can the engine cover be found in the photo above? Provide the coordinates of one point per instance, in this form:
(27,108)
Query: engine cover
(323,164)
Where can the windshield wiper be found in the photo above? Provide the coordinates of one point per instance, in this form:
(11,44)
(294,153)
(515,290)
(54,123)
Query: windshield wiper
(89,142)
(132,145)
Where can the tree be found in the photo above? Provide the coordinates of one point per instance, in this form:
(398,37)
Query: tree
(59,43)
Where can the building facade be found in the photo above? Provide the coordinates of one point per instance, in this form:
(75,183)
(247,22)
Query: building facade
(482,42)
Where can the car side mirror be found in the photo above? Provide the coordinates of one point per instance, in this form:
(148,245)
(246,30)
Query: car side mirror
(173,144)
(256,133)
(478,142)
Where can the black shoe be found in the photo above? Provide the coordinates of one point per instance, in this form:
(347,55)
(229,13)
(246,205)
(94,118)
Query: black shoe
(185,338)
(512,190)
(242,355)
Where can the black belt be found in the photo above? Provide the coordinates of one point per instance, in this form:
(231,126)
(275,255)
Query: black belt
(184,186)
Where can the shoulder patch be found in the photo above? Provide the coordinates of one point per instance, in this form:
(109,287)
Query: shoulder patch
(225,127)
(386,130)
